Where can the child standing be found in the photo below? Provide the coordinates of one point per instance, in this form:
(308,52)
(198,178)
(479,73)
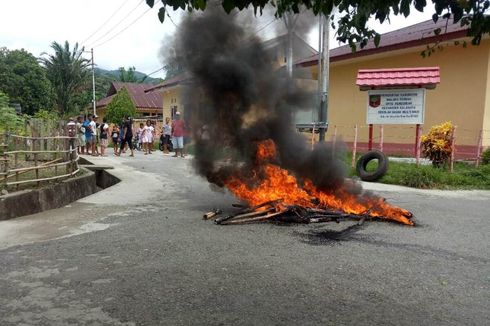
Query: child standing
(139,134)
(145,135)
(115,138)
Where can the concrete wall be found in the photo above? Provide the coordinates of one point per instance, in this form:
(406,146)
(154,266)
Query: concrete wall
(51,196)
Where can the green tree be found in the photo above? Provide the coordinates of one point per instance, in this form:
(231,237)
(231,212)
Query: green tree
(120,107)
(24,80)
(354,14)
(68,72)
(9,119)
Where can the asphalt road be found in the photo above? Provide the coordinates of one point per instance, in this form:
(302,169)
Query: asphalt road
(139,253)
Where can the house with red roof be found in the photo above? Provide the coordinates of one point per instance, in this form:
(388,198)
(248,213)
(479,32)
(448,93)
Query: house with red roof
(457,78)
(147,103)
(171,91)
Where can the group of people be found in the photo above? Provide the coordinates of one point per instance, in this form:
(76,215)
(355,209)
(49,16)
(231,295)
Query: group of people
(91,134)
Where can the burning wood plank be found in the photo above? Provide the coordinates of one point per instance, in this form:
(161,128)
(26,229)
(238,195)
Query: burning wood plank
(213,213)
(276,210)
(247,210)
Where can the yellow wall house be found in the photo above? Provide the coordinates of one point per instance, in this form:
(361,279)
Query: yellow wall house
(463,95)
(171,91)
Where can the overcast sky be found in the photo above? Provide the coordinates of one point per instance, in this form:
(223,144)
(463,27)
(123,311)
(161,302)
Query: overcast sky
(34,24)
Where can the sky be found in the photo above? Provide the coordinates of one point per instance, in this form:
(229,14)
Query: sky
(123,33)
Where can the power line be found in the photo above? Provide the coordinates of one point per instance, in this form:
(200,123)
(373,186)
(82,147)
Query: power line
(265,26)
(118,23)
(119,33)
(155,71)
(104,23)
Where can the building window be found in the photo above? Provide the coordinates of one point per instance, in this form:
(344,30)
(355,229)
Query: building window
(173,110)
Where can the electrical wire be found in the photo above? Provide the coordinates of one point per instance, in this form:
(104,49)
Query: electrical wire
(265,26)
(118,23)
(119,33)
(104,23)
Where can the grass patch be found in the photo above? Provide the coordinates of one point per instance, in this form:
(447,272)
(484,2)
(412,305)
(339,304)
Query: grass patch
(465,176)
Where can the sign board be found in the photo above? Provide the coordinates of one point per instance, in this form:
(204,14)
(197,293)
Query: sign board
(396,106)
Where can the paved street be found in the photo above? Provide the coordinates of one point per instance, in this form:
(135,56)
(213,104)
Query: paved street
(139,253)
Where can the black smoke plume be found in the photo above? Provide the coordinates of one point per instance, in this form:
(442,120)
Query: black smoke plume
(235,99)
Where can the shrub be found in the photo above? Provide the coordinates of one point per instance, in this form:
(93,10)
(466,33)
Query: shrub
(436,145)
(9,119)
(485,157)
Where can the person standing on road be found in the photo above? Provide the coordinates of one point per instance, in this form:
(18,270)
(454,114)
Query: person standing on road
(96,135)
(104,135)
(139,137)
(178,129)
(151,136)
(88,133)
(71,131)
(115,137)
(80,135)
(167,133)
(121,135)
(93,132)
(143,130)
(128,136)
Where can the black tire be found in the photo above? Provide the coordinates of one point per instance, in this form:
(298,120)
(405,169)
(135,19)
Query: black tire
(368,157)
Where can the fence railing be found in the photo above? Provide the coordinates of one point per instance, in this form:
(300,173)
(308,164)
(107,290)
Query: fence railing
(34,160)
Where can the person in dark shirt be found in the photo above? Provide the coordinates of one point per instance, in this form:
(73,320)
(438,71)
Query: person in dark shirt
(128,135)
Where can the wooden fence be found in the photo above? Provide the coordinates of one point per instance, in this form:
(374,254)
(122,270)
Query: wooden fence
(28,160)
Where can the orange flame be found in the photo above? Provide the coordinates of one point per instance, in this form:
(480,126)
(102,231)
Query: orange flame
(270,182)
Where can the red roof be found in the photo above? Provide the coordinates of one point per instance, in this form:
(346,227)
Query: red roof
(423,76)
(415,35)
(170,82)
(137,92)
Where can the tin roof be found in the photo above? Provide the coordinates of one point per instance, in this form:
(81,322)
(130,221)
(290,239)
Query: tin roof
(421,76)
(414,35)
(138,94)
(170,82)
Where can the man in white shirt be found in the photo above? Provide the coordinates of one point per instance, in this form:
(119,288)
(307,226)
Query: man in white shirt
(93,130)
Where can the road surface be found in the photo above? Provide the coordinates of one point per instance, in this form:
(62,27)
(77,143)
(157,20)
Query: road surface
(138,253)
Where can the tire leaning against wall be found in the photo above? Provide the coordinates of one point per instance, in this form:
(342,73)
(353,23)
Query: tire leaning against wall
(365,159)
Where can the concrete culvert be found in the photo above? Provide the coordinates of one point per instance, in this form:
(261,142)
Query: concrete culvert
(361,167)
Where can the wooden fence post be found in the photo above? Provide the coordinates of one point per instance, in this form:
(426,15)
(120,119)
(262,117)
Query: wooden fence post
(418,132)
(5,159)
(381,137)
(334,139)
(354,148)
(16,161)
(453,148)
(479,148)
(370,140)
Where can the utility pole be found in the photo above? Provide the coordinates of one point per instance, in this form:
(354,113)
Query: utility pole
(323,73)
(290,21)
(93,80)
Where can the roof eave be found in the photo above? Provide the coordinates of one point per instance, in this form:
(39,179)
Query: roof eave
(393,47)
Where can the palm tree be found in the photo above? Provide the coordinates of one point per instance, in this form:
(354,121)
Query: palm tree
(68,72)
(128,76)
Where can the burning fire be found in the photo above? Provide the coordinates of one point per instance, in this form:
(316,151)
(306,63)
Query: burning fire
(270,182)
